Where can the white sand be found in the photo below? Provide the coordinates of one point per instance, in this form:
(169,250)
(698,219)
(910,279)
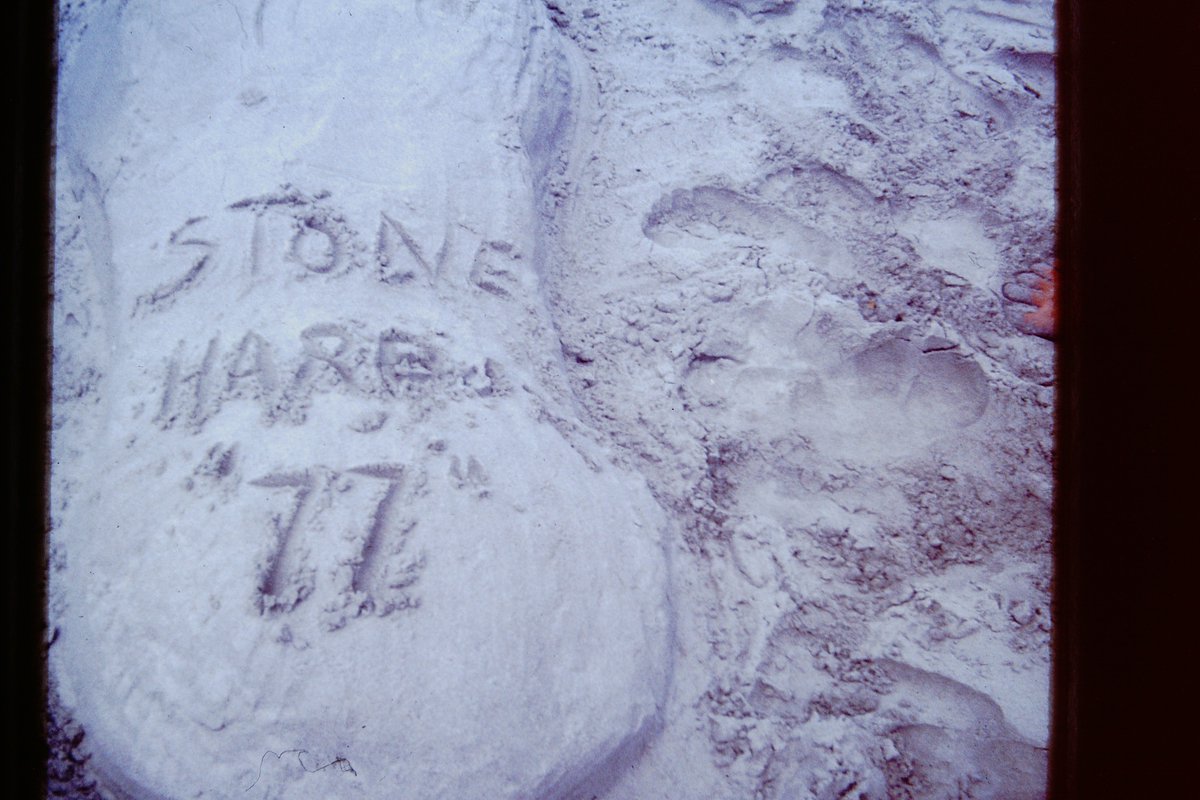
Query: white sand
(520,400)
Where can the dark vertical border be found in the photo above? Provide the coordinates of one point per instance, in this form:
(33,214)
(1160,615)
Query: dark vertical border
(1064,741)
(1126,575)
(29,76)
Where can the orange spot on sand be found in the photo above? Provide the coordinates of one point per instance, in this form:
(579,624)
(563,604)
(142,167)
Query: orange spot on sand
(1044,317)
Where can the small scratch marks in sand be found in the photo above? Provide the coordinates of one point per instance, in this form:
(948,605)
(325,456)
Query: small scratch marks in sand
(340,762)
(258,22)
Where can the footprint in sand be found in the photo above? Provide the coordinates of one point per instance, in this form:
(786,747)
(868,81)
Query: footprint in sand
(883,400)
(766,367)
(936,390)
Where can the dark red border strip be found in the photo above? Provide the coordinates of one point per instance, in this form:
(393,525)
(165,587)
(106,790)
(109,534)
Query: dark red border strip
(1129,221)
